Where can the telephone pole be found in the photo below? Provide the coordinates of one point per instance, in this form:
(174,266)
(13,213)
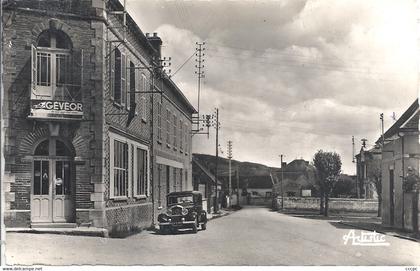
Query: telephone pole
(217,125)
(230,167)
(200,73)
(237,185)
(382,128)
(353,151)
(281,181)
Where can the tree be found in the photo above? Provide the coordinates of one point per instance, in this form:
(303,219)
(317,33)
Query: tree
(374,176)
(328,167)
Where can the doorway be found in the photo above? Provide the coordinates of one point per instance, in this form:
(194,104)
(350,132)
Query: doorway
(52,193)
(391,196)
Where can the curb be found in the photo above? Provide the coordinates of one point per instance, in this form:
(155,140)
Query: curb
(380,231)
(93,233)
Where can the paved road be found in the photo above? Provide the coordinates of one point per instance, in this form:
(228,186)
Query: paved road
(251,236)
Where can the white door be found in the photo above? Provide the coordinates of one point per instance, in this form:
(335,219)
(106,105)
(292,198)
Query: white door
(52,197)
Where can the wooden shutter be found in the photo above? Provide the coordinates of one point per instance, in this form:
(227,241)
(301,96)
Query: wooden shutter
(34,72)
(76,77)
(128,78)
(123,79)
(112,71)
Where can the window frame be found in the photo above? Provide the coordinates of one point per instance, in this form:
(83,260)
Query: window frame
(143,98)
(175,131)
(159,120)
(168,126)
(146,194)
(132,167)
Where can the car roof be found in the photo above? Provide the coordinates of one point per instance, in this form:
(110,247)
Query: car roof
(180,193)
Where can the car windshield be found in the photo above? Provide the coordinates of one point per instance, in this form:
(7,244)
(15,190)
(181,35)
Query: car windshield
(180,199)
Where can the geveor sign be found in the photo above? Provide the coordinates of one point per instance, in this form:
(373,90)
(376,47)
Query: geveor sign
(56,109)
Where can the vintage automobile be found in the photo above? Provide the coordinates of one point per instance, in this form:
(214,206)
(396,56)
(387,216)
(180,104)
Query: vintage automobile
(184,210)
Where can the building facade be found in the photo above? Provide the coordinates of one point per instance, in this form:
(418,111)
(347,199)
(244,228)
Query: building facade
(367,167)
(400,157)
(83,110)
(297,179)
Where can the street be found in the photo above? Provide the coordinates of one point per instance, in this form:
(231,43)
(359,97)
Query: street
(251,236)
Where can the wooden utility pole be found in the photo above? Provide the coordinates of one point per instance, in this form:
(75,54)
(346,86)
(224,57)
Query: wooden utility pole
(216,207)
(281,182)
(230,167)
(237,184)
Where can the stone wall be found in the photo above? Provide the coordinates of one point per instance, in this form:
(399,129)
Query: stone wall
(335,204)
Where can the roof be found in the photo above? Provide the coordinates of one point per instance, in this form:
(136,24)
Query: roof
(142,37)
(295,169)
(184,99)
(205,170)
(406,116)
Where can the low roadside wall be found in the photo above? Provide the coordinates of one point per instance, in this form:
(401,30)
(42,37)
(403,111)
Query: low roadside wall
(335,204)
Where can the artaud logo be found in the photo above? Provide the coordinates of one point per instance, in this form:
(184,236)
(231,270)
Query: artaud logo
(365,239)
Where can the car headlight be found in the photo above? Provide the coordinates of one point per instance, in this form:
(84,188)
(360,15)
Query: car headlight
(184,211)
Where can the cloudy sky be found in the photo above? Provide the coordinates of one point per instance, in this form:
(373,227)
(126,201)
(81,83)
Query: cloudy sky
(291,76)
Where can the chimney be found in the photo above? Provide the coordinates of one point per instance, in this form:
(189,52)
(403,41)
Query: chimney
(155,41)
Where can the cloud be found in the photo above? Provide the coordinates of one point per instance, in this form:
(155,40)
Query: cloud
(292,76)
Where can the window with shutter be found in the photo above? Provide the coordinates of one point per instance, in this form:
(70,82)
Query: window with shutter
(117,76)
(123,80)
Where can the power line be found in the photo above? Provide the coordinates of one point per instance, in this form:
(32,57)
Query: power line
(183,64)
(309,68)
(289,54)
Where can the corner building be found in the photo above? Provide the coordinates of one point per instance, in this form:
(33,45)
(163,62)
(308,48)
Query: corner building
(82,92)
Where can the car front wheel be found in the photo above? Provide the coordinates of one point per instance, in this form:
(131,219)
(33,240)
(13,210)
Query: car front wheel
(194,228)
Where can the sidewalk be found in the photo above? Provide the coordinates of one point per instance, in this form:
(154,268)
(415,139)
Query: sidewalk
(222,212)
(93,231)
(378,227)
(362,221)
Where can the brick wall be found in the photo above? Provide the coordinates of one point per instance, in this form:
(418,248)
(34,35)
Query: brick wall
(21,134)
(122,220)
